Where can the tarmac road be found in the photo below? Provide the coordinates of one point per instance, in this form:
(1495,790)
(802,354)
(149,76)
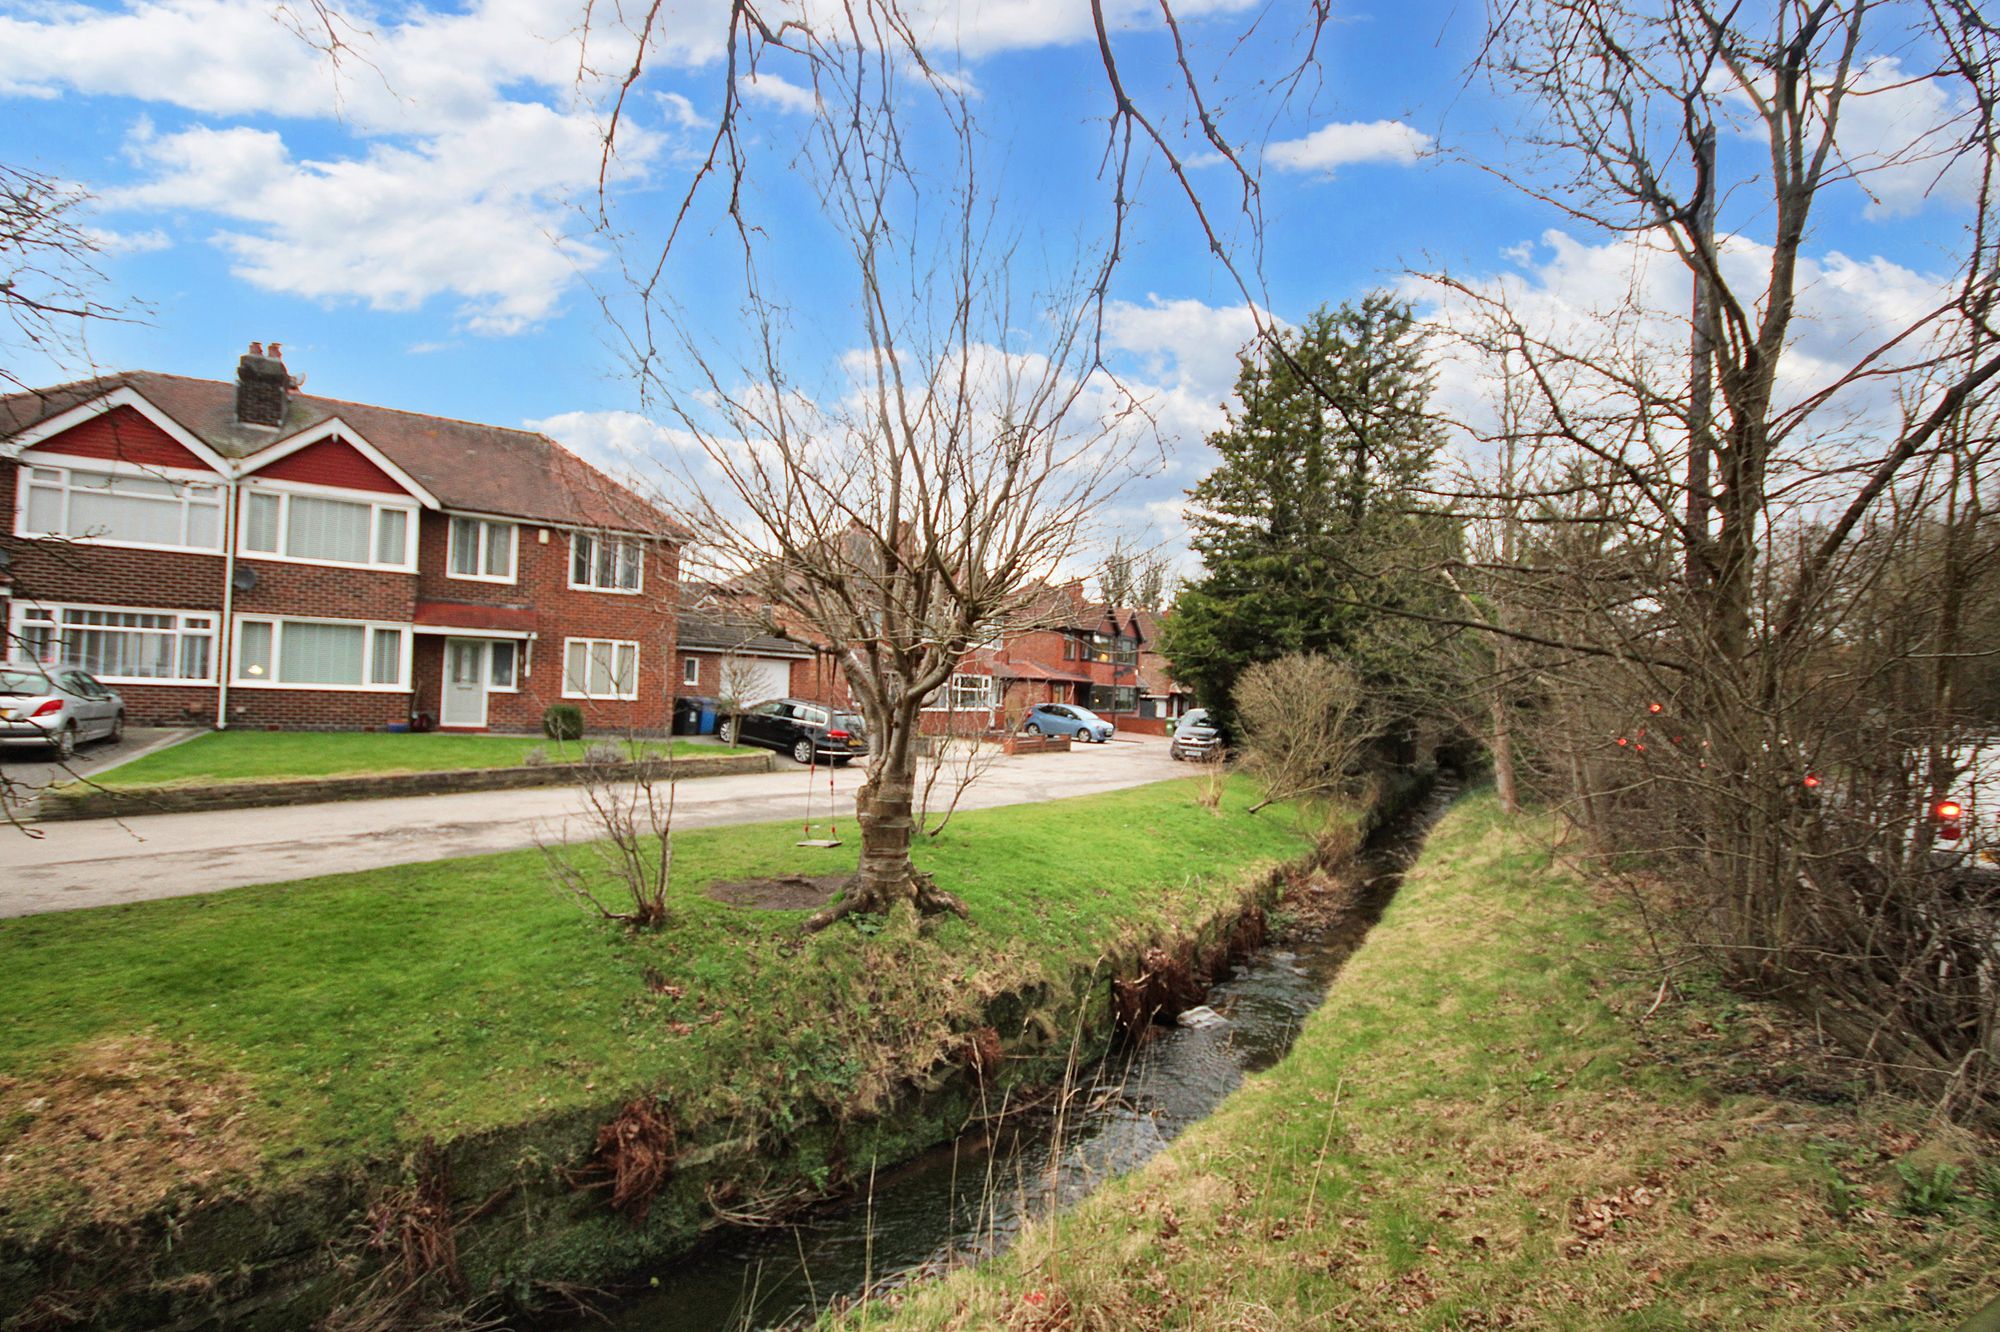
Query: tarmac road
(67,866)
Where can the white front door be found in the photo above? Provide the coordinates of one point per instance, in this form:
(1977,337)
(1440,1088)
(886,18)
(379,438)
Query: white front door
(465,662)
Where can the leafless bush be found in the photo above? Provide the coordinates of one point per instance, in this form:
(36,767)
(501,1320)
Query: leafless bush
(623,872)
(1307,726)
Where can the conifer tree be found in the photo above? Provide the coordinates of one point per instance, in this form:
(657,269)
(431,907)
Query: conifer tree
(1313,527)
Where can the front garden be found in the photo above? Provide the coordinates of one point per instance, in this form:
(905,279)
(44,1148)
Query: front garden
(262,756)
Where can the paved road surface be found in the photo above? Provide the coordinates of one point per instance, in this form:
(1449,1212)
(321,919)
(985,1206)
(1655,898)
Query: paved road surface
(94,863)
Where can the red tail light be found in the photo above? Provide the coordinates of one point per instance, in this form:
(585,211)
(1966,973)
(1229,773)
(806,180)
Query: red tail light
(1812,781)
(1948,809)
(48,709)
(838,735)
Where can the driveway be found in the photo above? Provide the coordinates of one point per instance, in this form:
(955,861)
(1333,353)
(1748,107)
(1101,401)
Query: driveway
(26,770)
(97,863)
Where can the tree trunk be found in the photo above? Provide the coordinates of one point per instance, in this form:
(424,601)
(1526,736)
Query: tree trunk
(884,807)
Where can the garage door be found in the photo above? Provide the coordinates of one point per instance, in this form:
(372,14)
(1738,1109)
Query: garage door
(754,679)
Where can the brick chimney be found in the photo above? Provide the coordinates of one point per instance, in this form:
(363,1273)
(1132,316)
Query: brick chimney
(262,386)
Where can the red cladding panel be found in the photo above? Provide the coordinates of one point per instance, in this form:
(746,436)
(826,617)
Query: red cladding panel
(331,462)
(122,433)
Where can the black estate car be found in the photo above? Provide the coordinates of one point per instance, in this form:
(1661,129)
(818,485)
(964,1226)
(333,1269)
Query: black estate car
(809,732)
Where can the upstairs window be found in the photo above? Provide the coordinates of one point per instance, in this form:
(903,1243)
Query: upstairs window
(1125,651)
(482,550)
(121,509)
(316,530)
(605,563)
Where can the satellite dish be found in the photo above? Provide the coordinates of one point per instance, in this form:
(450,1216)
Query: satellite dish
(244,579)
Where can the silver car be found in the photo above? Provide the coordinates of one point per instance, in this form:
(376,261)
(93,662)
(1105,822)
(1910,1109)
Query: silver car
(59,706)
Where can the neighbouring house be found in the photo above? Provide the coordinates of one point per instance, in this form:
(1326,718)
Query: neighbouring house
(733,651)
(244,554)
(1161,698)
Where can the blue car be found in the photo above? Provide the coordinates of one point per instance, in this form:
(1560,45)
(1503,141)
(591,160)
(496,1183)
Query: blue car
(1067,719)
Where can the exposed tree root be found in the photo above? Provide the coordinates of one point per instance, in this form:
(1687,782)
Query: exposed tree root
(920,890)
(633,1157)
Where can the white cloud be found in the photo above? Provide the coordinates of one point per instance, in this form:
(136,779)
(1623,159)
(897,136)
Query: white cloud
(625,445)
(1628,297)
(1344,144)
(777,92)
(398,226)
(1898,133)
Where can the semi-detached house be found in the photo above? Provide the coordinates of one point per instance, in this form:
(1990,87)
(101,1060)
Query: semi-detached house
(250,555)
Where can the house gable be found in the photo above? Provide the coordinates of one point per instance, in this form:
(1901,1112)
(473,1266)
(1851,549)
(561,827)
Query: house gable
(120,427)
(332,462)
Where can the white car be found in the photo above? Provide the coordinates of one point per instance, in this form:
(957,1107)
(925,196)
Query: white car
(59,706)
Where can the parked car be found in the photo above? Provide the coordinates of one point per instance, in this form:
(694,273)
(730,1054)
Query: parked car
(1079,723)
(1196,737)
(58,706)
(809,732)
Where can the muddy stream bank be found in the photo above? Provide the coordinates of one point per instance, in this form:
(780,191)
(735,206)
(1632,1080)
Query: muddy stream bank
(966,1201)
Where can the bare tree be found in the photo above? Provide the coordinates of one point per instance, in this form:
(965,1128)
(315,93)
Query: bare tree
(48,270)
(901,516)
(623,871)
(1307,726)
(1700,521)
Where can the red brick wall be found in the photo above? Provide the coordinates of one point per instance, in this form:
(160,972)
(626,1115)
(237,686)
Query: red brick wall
(331,462)
(124,434)
(542,583)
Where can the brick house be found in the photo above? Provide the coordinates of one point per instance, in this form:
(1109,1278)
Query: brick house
(243,554)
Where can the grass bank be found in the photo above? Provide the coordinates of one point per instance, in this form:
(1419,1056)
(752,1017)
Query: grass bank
(1481,1128)
(160,1055)
(242,756)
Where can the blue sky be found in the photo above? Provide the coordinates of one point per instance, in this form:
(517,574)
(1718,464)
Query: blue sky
(411,227)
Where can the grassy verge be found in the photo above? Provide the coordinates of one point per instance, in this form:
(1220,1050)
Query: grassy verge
(251,1034)
(1480,1129)
(243,756)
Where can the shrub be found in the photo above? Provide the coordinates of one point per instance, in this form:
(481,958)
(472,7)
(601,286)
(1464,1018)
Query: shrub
(536,757)
(563,721)
(604,753)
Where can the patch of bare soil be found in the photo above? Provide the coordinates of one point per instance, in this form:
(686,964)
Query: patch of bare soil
(117,1127)
(792,892)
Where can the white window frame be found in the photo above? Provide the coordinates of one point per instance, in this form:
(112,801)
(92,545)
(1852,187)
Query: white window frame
(520,660)
(638,545)
(238,680)
(51,613)
(614,643)
(185,477)
(690,669)
(374,499)
(950,694)
(481,548)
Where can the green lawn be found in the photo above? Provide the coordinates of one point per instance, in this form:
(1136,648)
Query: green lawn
(226,756)
(1472,1133)
(349,1017)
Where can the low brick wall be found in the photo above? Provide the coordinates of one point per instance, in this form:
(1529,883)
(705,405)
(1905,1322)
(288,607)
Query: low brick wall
(1128,725)
(85,802)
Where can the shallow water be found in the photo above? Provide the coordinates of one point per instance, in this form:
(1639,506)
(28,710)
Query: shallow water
(966,1201)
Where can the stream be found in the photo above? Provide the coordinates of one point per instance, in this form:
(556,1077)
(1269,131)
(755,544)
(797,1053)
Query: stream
(965,1201)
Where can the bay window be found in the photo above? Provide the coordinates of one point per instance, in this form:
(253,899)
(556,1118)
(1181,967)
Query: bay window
(483,550)
(316,529)
(120,508)
(121,645)
(967,693)
(322,654)
(600,668)
(605,564)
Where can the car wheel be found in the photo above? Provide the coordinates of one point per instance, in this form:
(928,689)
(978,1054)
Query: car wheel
(726,733)
(803,751)
(1031,729)
(65,742)
(117,728)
